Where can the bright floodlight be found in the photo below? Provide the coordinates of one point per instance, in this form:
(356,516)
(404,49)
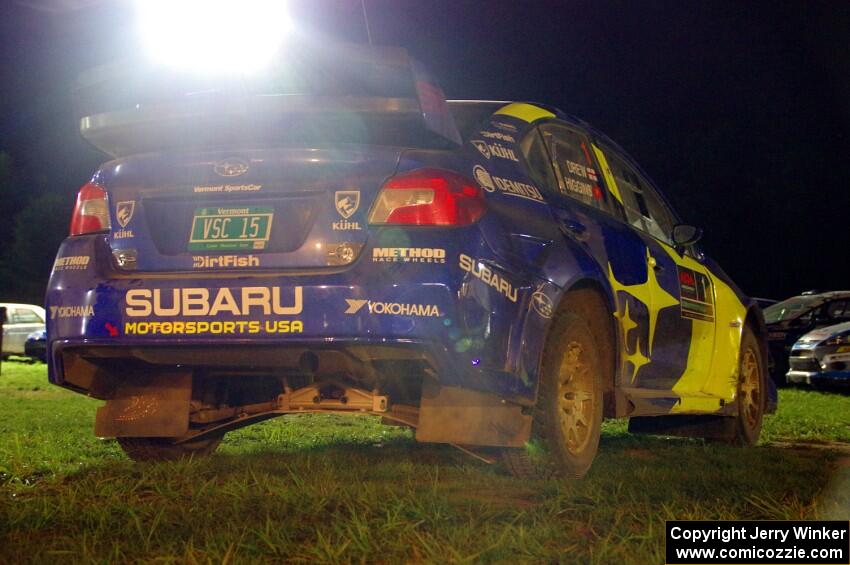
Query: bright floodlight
(212,36)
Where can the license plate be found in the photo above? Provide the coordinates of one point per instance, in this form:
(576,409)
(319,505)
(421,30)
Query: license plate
(230,228)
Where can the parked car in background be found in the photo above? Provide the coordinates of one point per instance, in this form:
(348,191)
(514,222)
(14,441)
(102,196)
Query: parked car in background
(20,321)
(822,357)
(764,302)
(790,319)
(36,346)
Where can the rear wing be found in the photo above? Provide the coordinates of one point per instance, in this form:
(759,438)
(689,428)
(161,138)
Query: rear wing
(340,93)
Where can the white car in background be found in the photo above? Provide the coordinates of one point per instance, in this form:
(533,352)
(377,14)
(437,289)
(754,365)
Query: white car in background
(21,320)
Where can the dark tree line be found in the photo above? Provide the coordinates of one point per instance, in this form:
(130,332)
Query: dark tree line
(33,222)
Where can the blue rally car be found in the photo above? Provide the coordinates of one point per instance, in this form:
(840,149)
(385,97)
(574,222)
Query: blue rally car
(493,274)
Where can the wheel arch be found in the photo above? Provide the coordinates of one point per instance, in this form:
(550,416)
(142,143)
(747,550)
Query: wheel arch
(755,320)
(593,299)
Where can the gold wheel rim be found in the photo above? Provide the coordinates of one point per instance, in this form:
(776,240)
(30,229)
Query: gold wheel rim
(575,398)
(750,388)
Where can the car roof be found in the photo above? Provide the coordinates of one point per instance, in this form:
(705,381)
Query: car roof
(19,305)
(827,295)
(469,113)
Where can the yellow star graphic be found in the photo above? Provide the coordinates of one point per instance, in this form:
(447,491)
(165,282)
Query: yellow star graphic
(649,293)
(637,358)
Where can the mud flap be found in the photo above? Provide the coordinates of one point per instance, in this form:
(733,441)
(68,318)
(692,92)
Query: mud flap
(153,405)
(466,417)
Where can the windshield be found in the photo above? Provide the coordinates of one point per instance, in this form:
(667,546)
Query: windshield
(790,309)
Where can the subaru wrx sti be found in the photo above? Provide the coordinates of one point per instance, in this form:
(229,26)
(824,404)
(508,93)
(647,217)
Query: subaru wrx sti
(492,274)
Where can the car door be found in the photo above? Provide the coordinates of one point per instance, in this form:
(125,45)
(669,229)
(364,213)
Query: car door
(836,311)
(679,290)
(587,214)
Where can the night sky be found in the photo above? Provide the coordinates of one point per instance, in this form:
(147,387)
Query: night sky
(739,111)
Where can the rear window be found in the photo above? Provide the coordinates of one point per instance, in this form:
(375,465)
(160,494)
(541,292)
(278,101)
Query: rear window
(325,95)
(469,116)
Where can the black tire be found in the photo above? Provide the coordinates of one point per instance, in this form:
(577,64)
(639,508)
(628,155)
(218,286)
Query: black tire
(164,449)
(568,416)
(752,391)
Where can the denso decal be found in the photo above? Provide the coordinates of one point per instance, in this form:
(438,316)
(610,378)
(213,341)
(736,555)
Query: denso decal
(392,308)
(494,150)
(408,255)
(72,263)
(492,183)
(224,261)
(498,135)
(187,302)
(488,277)
(71,311)
(194,327)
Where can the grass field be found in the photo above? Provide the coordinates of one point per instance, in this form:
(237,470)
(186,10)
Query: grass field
(327,489)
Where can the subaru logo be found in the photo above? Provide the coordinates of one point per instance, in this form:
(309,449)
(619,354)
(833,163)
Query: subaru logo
(231,168)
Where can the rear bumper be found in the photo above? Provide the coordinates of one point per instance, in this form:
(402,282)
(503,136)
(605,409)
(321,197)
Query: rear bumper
(469,333)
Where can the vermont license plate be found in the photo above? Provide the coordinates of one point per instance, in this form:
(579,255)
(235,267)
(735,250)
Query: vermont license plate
(220,229)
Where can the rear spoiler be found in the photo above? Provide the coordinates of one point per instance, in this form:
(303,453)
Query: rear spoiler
(347,93)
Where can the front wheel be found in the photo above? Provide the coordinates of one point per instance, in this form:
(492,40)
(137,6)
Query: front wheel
(568,416)
(752,391)
(164,449)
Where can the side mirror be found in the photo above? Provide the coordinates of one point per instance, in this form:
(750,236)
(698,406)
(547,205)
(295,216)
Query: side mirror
(684,235)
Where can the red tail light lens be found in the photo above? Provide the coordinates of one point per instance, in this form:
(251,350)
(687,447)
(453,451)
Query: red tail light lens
(91,213)
(428,197)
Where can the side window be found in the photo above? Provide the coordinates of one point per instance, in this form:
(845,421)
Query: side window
(643,207)
(838,310)
(538,160)
(25,316)
(575,171)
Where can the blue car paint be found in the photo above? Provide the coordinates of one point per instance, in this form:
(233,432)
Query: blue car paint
(483,340)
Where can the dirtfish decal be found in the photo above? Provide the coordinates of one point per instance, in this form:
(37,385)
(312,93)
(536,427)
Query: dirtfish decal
(208,262)
(186,302)
(488,277)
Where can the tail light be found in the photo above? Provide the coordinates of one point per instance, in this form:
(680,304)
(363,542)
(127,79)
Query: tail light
(428,197)
(91,213)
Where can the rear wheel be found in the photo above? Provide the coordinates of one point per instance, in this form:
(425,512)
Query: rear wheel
(568,416)
(164,449)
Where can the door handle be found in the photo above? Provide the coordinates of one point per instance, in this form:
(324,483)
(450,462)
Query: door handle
(575,229)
